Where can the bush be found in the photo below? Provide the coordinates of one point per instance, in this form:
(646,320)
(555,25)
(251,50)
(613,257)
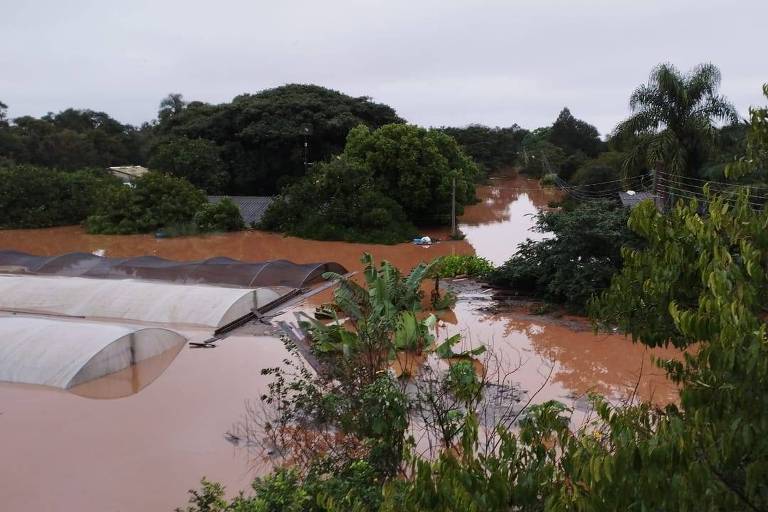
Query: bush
(34,197)
(462,265)
(579,259)
(548,180)
(339,200)
(221,216)
(197,160)
(153,201)
(416,167)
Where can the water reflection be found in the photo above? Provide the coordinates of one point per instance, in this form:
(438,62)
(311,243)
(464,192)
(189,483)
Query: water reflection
(128,381)
(504,216)
(567,363)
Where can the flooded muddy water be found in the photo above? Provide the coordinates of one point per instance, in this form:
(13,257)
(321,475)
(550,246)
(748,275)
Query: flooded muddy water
(504,216)
(143,452)
(494,226)
(67,451)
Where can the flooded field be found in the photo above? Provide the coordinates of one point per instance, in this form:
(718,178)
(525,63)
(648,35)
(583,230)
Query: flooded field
(80,451)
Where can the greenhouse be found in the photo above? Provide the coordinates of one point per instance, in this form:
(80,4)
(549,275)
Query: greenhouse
(217,271)
(63,353)
(128,300)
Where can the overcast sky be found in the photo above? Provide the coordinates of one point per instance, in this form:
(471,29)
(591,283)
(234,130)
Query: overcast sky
(436,62)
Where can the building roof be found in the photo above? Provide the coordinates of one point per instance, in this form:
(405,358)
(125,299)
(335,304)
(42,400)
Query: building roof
(220,270)
(631,198)
(63,353)
(129,171)
(132,301)
(252,208)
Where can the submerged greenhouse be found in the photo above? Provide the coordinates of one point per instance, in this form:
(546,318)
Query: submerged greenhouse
(128,300)
(63,353)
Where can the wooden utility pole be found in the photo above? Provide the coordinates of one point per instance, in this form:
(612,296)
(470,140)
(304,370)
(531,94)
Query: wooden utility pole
(453,209)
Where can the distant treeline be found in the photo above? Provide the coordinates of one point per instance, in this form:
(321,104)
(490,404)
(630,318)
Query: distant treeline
(274,141)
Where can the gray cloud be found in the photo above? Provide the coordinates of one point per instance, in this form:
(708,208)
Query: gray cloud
(437,62)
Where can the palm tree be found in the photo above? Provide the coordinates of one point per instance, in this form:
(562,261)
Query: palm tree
(673,117)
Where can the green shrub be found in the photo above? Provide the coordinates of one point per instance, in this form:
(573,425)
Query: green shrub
(221,216)
(339,200)
(35,197)
(576,262)
(153,201)
(462,265)
(548,180)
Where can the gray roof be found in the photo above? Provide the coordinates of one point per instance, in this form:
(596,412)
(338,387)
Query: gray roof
(129,171)
(252,208)
(632,200)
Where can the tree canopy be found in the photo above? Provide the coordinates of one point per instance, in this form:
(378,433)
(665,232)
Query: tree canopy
(72,139)
(574,135)
(260,137)
(416,167)
(339,200)
(155,200)
(676,112)
(491,148)
(385,182)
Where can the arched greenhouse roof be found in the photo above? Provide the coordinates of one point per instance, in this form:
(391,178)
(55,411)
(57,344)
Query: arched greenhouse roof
(141,301)
(218,271)
(63,354)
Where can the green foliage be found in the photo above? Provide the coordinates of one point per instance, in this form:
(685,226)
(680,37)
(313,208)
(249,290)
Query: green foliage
(197,160)
(455,265)
(673,115)
(260,137)
(339,200)
(153,201)
(755,160)
(379,317)
(540,157)
(576,261)
(416,167)
(491,148)
(593,174)
(573,135)
(221,216)
(548,180)
(445,349)
(385,181)
(70,140)
(210,498)
(34,197)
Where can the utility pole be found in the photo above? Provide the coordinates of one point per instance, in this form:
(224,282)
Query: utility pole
(306,150)
(453,209)
(656,198)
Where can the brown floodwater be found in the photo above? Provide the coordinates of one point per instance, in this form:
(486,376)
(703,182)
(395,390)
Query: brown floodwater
(504,216)
(71,451)
(143,452)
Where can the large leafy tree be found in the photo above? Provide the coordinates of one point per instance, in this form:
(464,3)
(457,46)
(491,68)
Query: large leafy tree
(416,167)
(155,200)
(261,136)
(72,139)
(575,263)
(574,135)
(491,148)
(339,200)
(674,116)
(37,197)
(197,160)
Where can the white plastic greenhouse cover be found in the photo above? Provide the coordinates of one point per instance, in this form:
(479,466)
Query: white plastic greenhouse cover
(194,305)
(62,353)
